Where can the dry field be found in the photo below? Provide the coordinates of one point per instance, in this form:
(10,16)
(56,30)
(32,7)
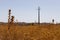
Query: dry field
(30,32)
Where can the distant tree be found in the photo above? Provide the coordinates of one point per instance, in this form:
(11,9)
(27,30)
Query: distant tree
(52,20)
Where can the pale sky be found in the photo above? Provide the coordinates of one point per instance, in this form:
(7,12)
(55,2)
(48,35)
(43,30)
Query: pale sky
(26,10)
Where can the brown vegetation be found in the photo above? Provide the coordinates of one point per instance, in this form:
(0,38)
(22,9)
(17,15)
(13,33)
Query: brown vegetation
(31,32)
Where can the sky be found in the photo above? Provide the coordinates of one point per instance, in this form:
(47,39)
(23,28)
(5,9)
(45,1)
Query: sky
(27,10)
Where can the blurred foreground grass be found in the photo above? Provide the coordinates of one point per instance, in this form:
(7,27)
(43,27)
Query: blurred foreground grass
(31,32)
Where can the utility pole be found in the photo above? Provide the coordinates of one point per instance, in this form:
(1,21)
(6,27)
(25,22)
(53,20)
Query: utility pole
(38,15)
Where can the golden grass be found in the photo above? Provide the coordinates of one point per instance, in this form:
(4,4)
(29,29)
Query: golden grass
(31,32)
